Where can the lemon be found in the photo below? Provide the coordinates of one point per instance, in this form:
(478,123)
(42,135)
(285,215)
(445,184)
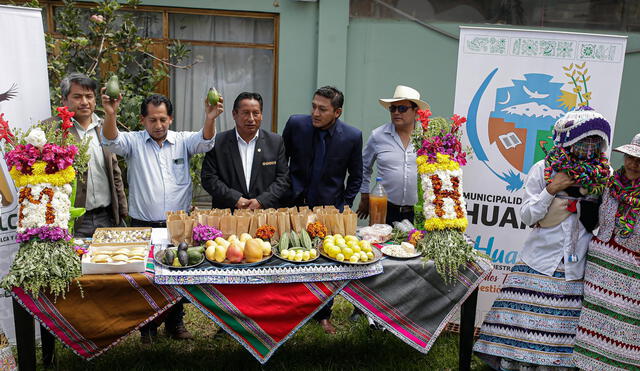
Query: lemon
(354,258)
(306,256)
(370,255)
(363,256)
(340,257)
(284,253)
(313,253)
(347,251)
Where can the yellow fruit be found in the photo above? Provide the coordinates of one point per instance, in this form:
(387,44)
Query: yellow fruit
(209,243)
(354,258)
(341,245)
(340,257)
(347,252)
(337,236)
(363,256)
(313,253)
(370,255)
(366,249)
(356,248)
(221,253)
(340,241)
(222,242)
(245,237)
(351,238)
(233,237)
(306,256)
(253,251)
(210,252)
(297,258)
(335,250)
(266,248)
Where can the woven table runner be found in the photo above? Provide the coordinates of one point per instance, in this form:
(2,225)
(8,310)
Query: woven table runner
(273,271)
(411,300)
(261,317)
(110,307)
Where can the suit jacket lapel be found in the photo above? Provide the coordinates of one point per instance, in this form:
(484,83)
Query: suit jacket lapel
(236,160)
(257,160)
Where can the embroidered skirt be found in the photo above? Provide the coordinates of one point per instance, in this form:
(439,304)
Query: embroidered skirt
(533,320)
(608,336)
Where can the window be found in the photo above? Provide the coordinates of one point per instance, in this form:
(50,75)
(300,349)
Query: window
(237,51)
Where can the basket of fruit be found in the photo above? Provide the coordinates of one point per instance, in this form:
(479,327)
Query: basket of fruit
(180,257)
(349,250)
(296,248)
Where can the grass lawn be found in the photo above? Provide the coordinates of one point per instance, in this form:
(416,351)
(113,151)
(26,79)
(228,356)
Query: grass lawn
(355,347)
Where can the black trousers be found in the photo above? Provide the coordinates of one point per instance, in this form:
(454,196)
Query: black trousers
(397,213)
(175,314)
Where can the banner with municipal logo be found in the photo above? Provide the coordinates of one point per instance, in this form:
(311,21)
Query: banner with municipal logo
(513,85)
(24,100)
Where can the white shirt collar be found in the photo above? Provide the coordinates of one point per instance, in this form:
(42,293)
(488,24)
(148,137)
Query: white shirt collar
(239,138)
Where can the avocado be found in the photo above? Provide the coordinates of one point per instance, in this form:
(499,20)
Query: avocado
(213,96)
(183,257)
(195,257)
(169,255)
(199,249)
(113,87)
(182,246)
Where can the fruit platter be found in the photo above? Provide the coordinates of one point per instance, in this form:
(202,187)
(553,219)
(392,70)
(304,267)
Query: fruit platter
(243,251)
(349,250)
(182,256)
(297,248)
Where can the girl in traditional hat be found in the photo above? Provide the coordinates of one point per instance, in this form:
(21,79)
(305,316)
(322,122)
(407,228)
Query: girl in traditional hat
(608,335)
(532,324)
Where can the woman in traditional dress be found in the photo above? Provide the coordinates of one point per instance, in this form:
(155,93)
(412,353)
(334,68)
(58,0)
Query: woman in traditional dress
(532,323)
(608,335)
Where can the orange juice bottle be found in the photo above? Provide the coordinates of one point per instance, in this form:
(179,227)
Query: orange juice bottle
(378,204)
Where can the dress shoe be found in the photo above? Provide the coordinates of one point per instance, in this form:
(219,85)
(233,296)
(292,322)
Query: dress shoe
(178,332)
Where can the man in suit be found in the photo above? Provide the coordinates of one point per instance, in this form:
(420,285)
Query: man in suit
(247,168)
(100,190)
(321,150)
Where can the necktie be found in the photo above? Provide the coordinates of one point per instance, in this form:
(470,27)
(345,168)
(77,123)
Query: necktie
(319,152)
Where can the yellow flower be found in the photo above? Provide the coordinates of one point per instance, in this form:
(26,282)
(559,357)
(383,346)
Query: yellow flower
(587,95)
(421,160)
(440,224)
(577,89)
(39,175)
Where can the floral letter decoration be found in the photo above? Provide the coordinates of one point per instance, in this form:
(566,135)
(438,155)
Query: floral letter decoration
(43,163)
(441,207)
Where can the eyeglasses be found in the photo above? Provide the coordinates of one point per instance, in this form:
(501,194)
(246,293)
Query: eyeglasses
(401,109)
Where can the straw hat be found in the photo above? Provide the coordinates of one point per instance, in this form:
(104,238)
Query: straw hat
(405,93)
(631,149)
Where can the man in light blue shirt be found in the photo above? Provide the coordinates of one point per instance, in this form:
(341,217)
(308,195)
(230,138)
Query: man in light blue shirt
(157,158)
(158,173)
(390,147)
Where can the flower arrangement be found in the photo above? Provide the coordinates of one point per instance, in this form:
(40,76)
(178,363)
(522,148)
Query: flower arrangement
(203,233)
(441,207)
(317,229)
(44,161)
(265,232)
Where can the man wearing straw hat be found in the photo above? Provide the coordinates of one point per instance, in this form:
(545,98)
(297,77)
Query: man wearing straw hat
(390,148)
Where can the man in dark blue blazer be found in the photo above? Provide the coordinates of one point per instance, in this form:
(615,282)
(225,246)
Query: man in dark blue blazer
(321,150)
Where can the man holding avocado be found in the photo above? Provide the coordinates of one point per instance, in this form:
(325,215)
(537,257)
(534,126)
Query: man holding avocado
(158,172)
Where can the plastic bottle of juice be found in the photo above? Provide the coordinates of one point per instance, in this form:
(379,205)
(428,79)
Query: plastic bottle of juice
(378,204)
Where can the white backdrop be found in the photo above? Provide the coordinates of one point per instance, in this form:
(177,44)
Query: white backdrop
(23,70)
(513,85)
